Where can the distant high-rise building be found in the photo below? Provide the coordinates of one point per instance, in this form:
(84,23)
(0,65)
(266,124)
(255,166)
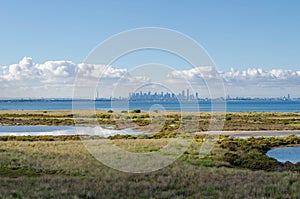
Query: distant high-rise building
(187,94)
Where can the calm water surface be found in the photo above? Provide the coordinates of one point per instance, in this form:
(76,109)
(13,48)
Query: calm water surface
(203,106)
(103,131)
(284,154)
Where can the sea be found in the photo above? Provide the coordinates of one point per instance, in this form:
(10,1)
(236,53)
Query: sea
(187,106)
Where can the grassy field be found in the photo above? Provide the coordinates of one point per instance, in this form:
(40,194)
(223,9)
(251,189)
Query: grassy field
(64,168)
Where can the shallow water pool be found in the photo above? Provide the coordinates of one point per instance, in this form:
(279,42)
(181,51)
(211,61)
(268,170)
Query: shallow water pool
(284,154)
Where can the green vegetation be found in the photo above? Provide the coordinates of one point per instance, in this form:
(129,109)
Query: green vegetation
(62,167)
(149,122)
(40,138)
(250,153)
(136,111)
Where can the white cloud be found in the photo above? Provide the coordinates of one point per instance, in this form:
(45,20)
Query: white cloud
(49,71)
(206,72)
(56,79)
(253,73)
(250,82)
(249,74)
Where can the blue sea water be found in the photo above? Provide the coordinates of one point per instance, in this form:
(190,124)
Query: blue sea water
(203,106)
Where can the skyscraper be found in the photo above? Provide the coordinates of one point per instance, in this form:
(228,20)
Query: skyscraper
(187,94)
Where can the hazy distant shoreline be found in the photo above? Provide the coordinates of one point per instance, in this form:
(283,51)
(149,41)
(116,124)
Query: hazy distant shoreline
(149,100)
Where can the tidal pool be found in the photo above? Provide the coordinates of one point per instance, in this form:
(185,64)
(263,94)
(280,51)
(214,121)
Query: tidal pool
(102,131)
(284,154)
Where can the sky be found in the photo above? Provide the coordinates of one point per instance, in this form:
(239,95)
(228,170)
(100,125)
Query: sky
(255,45)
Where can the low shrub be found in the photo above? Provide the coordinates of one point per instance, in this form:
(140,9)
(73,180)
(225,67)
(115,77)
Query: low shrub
(136,111)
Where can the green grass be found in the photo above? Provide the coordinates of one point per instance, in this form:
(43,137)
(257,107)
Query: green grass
(294,124)
(56,169)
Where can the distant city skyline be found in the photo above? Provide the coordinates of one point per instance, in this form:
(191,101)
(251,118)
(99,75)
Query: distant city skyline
(166,96)
(181,96)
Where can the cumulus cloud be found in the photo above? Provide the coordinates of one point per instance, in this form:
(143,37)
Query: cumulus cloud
(253,73)
(49,71)
(209,72)
(251,82)
(57,69)
(57,78)
(205,72)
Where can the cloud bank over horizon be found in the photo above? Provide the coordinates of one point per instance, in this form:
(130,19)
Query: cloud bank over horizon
(55,79)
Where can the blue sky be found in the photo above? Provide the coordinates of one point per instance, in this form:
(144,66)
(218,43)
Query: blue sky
(236,34)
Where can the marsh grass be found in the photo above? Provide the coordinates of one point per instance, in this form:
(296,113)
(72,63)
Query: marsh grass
(141,145)
(154,121)
(61,166)
(56,169)
(251,153)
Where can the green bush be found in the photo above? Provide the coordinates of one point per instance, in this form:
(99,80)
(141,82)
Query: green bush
(251,153)
(136,111)
(104,116)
